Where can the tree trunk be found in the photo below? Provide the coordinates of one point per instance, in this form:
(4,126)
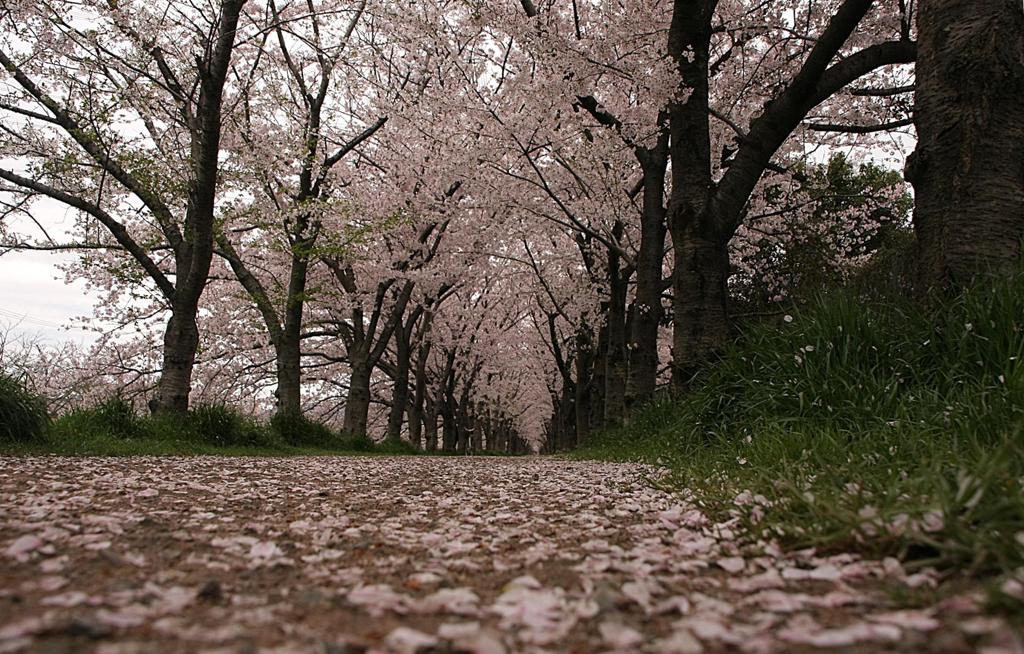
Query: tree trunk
(584,385)
(701,256)
(181,340)
(357,404)
(430,425)
(563,422)
(700,321)
(289,382)
(647,311)
(615,372)
(449,428)
(968,169)
(400,392)
(598,387)
(289,353)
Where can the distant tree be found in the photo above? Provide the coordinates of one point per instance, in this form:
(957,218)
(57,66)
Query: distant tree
(817,232)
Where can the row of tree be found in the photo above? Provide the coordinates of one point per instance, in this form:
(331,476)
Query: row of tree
(485,224)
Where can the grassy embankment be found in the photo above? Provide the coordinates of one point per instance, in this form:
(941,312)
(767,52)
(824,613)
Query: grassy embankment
(115,428)
(873,427)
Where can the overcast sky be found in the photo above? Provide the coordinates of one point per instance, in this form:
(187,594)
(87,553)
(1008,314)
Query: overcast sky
(34,299)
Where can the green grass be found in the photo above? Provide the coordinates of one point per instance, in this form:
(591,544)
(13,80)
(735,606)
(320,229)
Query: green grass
(875,427)
(23,417)
(116,428)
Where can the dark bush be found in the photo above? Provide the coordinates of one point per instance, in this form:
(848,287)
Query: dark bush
(357,443)
(223,426)
(23,417)
(298,430)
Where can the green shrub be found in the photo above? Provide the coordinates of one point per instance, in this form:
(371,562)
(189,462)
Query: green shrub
(23,416)
(297,430)
(223,426)
(357,443)
(395,447)
(114,418)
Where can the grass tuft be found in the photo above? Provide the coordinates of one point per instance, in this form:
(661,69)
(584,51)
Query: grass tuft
(297,430)
(23,416)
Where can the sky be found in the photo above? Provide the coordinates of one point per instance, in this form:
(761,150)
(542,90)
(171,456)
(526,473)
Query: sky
(35,300)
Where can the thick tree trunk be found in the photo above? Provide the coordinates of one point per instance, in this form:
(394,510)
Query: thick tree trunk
(968,169)
(463,423)
(563,422)
(289,375)
(181,340)
(701,257)
(357,404)
(647,311)
(584,385)
(289,353)
(449,426)
(700,320)
(598,387)
(194,254)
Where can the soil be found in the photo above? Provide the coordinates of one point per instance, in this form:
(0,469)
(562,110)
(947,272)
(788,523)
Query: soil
(420,554)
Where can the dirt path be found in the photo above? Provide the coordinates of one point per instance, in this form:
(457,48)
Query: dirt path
(421,554)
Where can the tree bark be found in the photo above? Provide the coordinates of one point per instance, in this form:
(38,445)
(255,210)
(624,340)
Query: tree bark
(289,375)
(449,428)
(400,391)
(416,415)
(615,361)
(194,254)
(647,311)
(289,352)
(698,275)
(430,425)
(584,384)
(701,322)
(968,168)
(181,340)
(357,404)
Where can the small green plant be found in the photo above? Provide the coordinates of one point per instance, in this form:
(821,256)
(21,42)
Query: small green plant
(119,418)
(23,416)
(396,447)
(114,418)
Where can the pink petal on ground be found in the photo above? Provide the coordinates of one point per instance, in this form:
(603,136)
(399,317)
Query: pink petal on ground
(23,546)
(404,640)
(265,550)
(619,636)
(916,620)
(68,599)
(732,564)
(680,642)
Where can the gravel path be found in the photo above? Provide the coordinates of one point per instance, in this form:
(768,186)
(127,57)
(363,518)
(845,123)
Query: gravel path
(420,554)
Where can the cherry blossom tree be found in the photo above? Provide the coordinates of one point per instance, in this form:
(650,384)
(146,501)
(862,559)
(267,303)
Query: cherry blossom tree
(840,43)
(292,157)
(116,111)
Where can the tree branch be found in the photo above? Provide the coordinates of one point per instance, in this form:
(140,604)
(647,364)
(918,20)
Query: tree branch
(860,129)
(118,230)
